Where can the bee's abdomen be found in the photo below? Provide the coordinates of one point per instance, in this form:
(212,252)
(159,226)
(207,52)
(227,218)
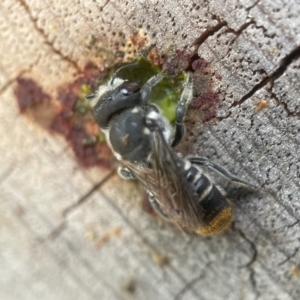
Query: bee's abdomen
(217,211)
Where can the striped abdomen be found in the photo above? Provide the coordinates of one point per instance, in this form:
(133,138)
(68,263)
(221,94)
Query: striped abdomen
(217,211)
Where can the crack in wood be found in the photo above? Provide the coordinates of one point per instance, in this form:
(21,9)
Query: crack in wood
(268,237)
(252,6)
(285,62)
(11,81)
(287,208)
(250,264)
(237,34)
(56,232)
(294,224)
(289,257)
(285,106)
(86,197)
(207,33)
(264,190)
(176,272)
(188,286)
(64,224)
(48,43)
(92,270)
(252,246)
(271,36)
(264,233)
(223,23)
(102,6)
(67,271)
(254,283)
(240,30)
(251,267)
(278,283)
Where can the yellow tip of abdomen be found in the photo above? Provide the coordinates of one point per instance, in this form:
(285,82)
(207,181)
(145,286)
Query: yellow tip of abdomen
(221,222)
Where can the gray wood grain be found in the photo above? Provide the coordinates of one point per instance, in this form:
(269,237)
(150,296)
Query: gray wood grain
(60,238)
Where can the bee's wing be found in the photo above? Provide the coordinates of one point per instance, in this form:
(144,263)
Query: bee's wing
(165,179)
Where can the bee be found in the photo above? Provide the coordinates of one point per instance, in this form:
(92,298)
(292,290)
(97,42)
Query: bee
(143,141)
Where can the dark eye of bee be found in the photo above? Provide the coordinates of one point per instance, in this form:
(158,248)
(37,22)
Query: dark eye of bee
(128,88)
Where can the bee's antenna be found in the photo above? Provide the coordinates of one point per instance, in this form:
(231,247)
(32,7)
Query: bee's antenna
(90,96)
(114,76)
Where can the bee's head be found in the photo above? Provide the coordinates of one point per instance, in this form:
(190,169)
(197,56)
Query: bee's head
(112,98)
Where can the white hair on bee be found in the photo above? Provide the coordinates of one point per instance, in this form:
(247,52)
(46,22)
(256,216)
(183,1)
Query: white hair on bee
(206,192)
(187,165)
(154,115)
(146,131)
(117,155)
(135,110)
(105,88)
(164,124)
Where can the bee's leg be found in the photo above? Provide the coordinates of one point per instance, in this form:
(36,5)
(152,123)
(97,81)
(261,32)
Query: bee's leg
(146,88)
(185,99)
(156,207)
(125,173)
(220,170)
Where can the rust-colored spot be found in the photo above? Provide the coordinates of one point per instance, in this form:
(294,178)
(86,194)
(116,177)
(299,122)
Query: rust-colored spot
(160,259)
(34,101)
(218,76)
(107,235)
(88,154)
(155,58)
(68,114)
(198,68)
(29,94)
(134,45)
(295,271)
(260,105)
(181,60)
(208,104)
(138,39)
(191,61)
(200,65)
(74,121)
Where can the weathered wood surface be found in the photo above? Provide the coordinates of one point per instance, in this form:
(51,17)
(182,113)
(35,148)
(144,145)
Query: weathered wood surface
(53,245)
